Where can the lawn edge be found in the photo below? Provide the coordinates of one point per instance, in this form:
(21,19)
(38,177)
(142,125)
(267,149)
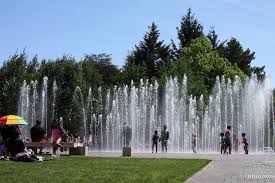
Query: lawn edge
(198,172)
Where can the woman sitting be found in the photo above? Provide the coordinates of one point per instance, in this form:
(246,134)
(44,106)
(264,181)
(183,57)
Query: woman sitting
(16,147)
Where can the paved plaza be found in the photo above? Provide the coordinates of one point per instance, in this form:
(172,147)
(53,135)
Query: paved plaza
(233,168)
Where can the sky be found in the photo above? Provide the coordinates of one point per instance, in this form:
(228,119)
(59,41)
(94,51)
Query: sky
(52,28)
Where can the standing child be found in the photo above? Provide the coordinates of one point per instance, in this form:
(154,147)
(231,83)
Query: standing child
(155,140)
(227,140)
(194,144)
(245,147)
(56,135)
(222,142)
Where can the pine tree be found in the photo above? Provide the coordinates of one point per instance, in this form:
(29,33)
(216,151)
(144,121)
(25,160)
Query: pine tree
(150,53)
(213,38)
(234,53)
(189,29)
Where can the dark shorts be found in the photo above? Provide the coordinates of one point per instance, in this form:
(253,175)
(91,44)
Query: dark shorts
(164,143)
(227,143)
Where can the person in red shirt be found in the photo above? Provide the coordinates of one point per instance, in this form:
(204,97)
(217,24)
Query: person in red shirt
(38,134)
(56,134)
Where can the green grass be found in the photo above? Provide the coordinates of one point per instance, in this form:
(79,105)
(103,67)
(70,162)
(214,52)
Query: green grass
(88,169)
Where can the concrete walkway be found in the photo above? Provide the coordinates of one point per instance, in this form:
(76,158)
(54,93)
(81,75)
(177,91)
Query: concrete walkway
(222,168)
(237,168)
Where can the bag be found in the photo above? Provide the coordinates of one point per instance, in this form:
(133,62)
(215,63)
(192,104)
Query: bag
(25,156)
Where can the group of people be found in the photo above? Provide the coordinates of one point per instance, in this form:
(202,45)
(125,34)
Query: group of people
(38,134)
(10,142)
(164,137)
(226,142)
(13,146)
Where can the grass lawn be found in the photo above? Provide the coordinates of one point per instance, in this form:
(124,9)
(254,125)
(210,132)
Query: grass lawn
(88,169)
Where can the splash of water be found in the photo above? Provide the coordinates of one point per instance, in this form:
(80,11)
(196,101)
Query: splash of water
(246,106)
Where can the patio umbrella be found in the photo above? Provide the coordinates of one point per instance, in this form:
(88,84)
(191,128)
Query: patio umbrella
(12,120)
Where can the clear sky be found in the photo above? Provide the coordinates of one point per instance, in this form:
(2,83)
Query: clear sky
(51,28)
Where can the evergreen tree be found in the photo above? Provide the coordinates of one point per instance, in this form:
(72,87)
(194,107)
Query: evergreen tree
(213,38)
(189,29)
(150,53)
(234,53)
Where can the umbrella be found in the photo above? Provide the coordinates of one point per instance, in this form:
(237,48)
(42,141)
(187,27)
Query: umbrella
(12,120)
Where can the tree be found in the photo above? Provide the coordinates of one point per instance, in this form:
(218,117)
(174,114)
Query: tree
(234,53)
(189,29)
(102,63)
(150,54)
(11,78)
(213,38)
(201,63)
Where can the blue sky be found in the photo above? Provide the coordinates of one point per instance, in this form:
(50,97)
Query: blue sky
(51,28)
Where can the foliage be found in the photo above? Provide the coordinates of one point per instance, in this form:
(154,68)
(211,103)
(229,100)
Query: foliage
(150,55)
(11,78)
(233,51)
(201,63)
(200,57)
(189,29)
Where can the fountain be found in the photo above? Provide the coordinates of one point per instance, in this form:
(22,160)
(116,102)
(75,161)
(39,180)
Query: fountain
(246,105)
(79,116)
(33,104)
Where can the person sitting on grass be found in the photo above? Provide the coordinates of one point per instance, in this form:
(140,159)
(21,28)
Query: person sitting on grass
(38,134)
(2,142)
(16,147)
(245,142)
(56,135)
(155,140)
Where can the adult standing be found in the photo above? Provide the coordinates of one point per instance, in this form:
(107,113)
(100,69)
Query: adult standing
(127,135)
(164,139)
(227,139)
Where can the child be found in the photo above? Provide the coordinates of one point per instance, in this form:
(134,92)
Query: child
(56,135)
(245,147)
(194,144)
(155,140)
(222,142)
(227,140)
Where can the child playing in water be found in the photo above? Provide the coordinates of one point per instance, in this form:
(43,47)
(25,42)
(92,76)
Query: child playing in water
(222,142)
(194,144)
(227,140)
(155,140)
(245,147)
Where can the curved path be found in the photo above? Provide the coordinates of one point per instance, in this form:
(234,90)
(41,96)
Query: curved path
(233,168)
